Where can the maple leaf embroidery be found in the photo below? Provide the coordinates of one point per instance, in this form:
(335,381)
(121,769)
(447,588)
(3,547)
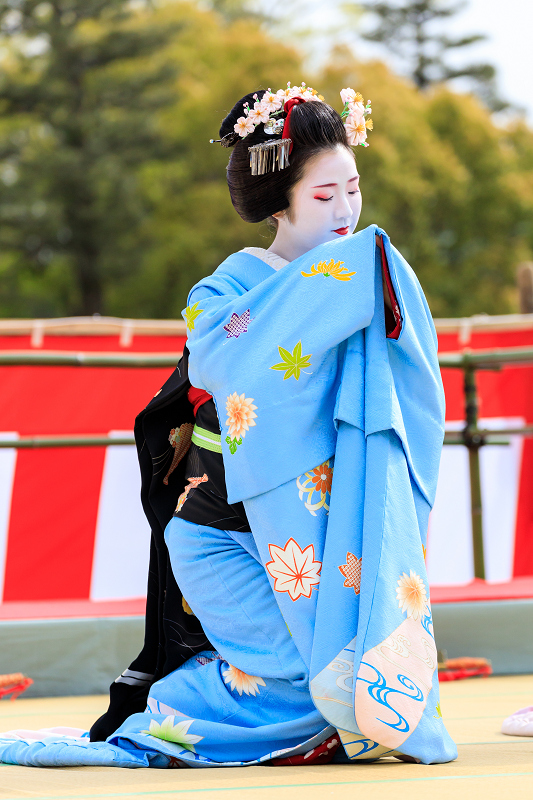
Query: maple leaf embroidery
(238,325)
(352,572)
(333,270)
(292,363)
(191,314)
(294,570)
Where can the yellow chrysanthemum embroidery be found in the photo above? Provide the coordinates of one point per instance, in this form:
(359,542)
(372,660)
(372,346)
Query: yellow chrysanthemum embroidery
(191,314)
(333,269)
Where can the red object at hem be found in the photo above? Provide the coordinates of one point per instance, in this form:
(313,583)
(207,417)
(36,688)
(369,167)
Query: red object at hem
(461,674)
(321,754)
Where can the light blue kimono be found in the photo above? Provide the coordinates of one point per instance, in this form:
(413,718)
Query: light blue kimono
(331,436)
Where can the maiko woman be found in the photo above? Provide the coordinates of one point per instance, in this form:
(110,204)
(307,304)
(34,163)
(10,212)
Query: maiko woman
(289,467)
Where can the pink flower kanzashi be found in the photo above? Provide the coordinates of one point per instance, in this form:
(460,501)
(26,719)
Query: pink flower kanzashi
(286,94)
(241,416)
(271,102)
(294,570)
(244,126)
(351,96)
(355,129)
(239,680)
(258,114)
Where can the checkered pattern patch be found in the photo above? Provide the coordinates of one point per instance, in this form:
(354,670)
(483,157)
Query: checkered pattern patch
(238,324)
(352,572)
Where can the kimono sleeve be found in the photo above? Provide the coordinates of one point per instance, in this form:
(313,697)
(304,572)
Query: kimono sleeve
(286,325)
(268,346)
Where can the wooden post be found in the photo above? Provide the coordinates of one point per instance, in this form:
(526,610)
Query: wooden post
(524,280)
(473,441)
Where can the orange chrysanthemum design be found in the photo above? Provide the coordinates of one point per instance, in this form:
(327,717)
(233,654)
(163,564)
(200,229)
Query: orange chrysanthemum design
(317,482)
(294,570)
(239,680)
(352,572)
(322,477)
(411,595)
(241,416)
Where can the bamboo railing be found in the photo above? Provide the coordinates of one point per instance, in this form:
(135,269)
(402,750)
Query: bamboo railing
(472,436)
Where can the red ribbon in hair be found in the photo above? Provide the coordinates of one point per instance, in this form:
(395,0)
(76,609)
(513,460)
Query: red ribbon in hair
(289,105)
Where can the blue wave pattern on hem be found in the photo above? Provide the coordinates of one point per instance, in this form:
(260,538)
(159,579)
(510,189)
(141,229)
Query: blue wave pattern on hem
(379,691)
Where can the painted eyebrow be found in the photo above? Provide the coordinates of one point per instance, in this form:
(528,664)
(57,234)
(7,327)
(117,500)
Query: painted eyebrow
(327,185)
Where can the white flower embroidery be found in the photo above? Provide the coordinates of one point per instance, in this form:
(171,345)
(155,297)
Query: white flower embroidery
(174,733)
(241,417)
(294,570)
(249,684)
(411,595)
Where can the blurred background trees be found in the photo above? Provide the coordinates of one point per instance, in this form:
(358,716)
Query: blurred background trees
(413,31)
(112,200)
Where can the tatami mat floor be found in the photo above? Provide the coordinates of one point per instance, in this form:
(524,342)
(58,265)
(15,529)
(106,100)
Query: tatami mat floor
(490,766)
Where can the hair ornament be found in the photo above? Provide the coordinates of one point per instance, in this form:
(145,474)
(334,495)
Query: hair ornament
(355,114)
(274,155)
(273,111)
(227,141)
(269,156)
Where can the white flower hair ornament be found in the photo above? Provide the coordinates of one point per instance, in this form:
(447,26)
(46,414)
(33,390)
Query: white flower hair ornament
(355,114)
(274,154)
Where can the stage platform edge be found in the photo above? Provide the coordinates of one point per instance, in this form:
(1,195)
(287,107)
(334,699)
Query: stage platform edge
(83,655)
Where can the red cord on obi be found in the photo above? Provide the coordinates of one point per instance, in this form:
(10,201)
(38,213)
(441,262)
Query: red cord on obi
(197,397)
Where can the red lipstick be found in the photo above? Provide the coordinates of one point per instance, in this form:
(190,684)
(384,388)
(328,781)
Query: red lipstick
(342,231)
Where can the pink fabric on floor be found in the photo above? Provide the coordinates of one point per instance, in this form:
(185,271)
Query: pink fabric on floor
(520,723)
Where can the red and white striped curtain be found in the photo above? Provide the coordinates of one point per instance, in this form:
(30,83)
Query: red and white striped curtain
(71,523)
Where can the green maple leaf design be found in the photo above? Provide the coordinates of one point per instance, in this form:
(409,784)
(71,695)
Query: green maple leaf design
(292,363)
(191,314)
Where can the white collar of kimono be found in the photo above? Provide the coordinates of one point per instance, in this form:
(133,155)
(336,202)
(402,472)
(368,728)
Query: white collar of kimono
(274,261)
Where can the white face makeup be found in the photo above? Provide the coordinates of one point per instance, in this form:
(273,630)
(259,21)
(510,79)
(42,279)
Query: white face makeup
(326,204)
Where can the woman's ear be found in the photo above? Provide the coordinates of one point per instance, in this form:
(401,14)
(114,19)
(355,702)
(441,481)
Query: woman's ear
(278,215)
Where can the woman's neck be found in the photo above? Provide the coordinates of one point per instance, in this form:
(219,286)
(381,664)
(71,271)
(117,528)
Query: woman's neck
(287,247)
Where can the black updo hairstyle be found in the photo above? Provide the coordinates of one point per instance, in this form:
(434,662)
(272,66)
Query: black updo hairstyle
(314,127)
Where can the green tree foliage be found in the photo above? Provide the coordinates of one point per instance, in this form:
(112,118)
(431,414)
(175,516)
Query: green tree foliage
(453,190)
(192,226)
(407,29)
(78,96)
